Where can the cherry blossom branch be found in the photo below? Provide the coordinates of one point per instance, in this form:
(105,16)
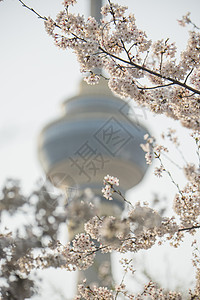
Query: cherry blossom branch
(198,155)
(33,10)
(145,59)
(129,62)
(197,141)
(188,75)
(155,87)
(109,182)
(170,176)
(186,20)
(122,281)
(112,12)
(102,247)
(133,239)
(161,60)
(189,228)
(172,161)
(127,51)
(176,144)
(181,154)
(143,68)
(122,196)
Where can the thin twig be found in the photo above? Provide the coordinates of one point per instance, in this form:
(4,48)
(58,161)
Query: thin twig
(33,10)
(155,87)
(188,75)
(145,59)
(121,195)
(171,160)
(161,61)
(112,12)
(170,176)
(181,154)
(126,271)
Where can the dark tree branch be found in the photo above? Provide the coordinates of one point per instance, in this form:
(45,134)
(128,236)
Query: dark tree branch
(189,228)
(188,75)
(155,87)
(174,81)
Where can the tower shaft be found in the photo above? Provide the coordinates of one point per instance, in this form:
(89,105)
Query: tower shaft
(95,9)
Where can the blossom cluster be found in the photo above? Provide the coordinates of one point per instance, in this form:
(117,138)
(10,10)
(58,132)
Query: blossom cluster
(153,150)
(151,291)
(85,292)
(66,3)
(78,255)
(119,47)
(187,201)
(140,229)
(185,20)
(108,190)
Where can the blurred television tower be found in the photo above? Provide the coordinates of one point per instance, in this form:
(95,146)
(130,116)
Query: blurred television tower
(94,137)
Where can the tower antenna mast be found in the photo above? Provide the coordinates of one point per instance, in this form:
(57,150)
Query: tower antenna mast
(95,9)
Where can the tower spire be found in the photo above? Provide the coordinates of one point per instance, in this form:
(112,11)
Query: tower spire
(95,9)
